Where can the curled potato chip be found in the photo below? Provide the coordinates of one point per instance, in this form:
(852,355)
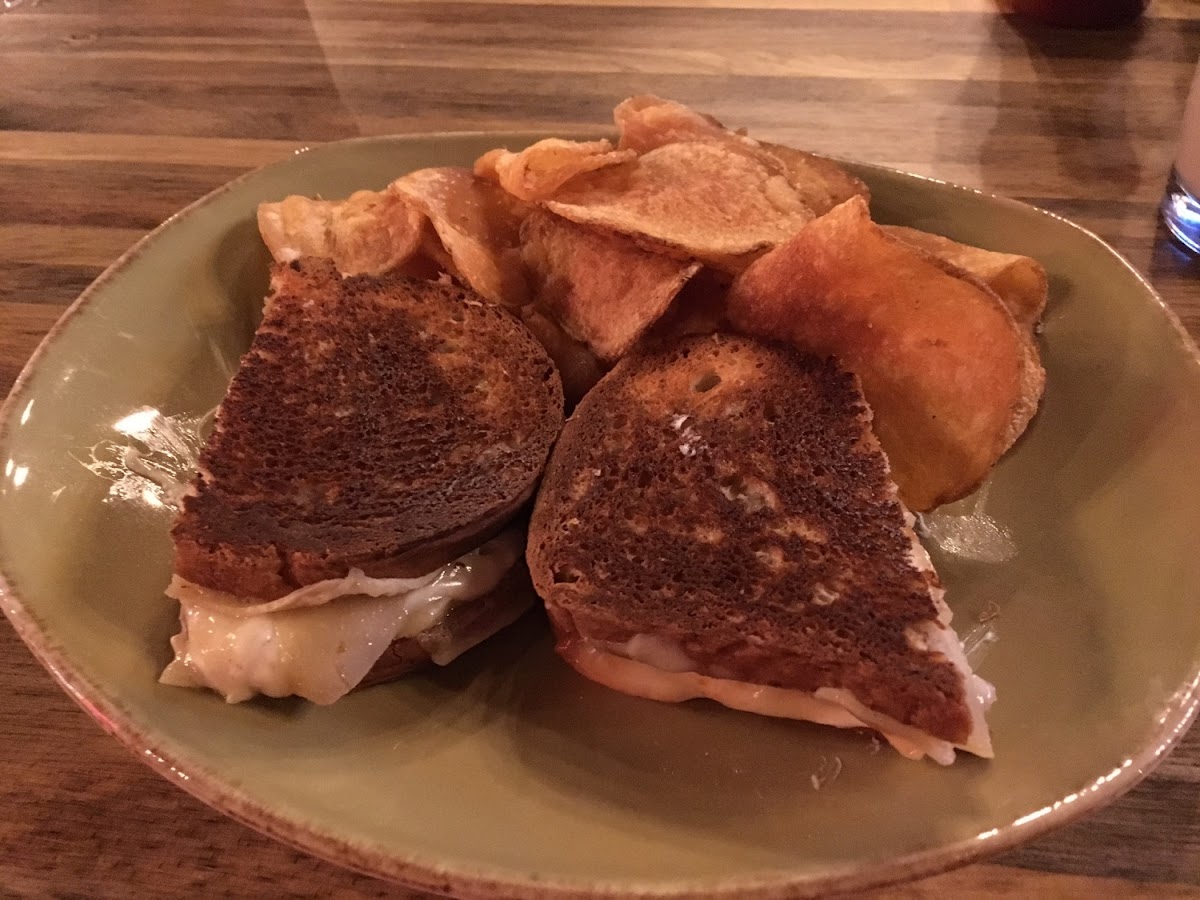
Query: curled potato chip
(1018,280)
(699,308)
(703,199)
(477,223)
(434,251)
(601,287)
(577,366)
(538,171)
(949,374)
(647,122)
(820,181)
(367,233)
(485,166)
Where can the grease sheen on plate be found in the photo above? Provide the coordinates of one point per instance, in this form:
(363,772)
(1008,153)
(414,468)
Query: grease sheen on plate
(507,773)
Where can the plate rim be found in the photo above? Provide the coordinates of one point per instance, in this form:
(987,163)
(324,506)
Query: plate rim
(209,787)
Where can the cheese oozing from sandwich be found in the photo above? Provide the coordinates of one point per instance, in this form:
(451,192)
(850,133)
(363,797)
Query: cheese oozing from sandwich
(319,641)
(647,666)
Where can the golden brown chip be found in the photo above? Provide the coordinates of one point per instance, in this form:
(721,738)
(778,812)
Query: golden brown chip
(647,122)
(479,226)
(431,261)
(819,180)
(601,287)
(577,366)
(1019,280)
(1034,375)
(697,190)
(435,252)
(485,166)
(699,308)
(943,364)
(702,199)
(368,233)
(541,169)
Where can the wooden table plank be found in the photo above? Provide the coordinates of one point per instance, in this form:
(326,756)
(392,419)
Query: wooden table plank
(226,153)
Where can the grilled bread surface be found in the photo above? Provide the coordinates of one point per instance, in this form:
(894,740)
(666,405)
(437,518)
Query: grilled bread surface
(381,423)
(729,496)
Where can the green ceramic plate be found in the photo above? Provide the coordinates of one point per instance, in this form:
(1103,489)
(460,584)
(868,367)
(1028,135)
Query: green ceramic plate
(506,774)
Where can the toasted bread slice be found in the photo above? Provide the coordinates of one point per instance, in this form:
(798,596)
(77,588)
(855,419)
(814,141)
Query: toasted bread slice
(381,424)
(717,519)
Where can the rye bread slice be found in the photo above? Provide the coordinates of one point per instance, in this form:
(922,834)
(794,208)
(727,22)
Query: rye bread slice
(381,423)
(729,497)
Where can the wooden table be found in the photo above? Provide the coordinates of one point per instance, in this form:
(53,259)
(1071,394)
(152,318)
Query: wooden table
(113,116)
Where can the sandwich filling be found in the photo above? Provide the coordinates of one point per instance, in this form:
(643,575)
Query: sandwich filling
(320,641)
(647,666)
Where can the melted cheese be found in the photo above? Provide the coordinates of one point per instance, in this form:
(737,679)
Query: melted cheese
(642,677)
(310,646)
(939,637)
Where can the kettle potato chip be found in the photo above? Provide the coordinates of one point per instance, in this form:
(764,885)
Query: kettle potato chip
(700,199)
(541,169)
(577,366)
(698,308)
(368,233)
(601,287)
(479,226)
(648,122)
(1018,280)
(943,364)
(820,181)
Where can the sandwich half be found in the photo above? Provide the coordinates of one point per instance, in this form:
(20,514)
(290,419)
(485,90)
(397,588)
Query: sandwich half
(717,520)
(357,509)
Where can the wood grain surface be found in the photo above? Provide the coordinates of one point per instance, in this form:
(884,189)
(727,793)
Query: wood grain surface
(113,115)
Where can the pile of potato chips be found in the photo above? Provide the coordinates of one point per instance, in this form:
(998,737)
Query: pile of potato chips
(686,226)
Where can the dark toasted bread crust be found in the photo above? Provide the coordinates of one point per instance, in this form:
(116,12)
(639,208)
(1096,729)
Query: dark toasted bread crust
(761,533)
(381,423)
